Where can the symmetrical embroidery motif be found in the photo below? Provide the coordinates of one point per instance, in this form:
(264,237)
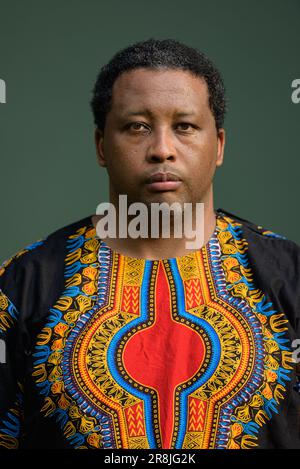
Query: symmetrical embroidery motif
(178,353)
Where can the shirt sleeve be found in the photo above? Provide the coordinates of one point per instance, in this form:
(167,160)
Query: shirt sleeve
(275,261)
(12,354)
(11,379)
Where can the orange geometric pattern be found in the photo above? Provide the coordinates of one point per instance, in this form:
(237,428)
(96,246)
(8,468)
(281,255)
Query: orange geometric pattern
(130,300)
(197,413)
(194,295)
(135,420)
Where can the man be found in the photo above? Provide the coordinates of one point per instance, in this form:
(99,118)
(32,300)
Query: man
(143,343)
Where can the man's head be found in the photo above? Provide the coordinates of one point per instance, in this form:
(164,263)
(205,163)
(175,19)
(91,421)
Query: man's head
(159,108)
(157,55)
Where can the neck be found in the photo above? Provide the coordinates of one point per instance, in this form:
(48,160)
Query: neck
(164,247)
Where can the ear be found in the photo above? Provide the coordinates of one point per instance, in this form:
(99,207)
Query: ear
(99,139)
(221,146)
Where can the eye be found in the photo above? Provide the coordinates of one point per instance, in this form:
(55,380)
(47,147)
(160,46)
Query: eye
(186,126)
(137,126)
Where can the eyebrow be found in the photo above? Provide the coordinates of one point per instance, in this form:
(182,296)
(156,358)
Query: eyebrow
(149,113)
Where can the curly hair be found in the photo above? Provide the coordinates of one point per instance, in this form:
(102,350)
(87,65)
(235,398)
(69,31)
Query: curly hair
(158,54)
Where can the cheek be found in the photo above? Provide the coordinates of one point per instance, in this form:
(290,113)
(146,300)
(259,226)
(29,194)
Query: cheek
(121,153)
(204,155)
(203,163)
(122,168)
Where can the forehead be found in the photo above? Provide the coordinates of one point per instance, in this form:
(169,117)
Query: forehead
(159,90)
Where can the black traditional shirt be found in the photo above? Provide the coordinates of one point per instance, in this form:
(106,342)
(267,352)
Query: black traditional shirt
(103,350)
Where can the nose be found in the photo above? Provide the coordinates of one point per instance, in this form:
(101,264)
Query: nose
(161,146)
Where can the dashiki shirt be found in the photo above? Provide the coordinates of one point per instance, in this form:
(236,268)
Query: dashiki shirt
(107,351)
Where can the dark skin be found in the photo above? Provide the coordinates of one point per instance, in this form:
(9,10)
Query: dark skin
(160,120)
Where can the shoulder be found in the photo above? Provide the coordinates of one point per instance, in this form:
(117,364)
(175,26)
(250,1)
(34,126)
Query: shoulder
(274,258)
(273,261)
(261,233)
(40,255)
(266,249)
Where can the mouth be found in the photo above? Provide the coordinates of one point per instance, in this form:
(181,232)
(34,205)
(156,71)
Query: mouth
(161,181)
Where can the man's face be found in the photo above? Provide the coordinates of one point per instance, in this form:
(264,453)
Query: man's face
(160,122)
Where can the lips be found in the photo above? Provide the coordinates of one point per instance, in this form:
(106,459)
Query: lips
(163,181)
(162,177)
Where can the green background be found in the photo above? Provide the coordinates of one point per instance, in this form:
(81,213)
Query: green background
(50,54)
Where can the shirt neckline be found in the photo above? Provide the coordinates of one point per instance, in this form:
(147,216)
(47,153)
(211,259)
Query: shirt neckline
(125,257)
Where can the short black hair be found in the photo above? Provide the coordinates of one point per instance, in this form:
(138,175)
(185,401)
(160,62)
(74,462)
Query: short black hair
(158,54)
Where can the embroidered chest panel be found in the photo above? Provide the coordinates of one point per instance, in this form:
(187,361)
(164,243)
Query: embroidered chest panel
(178,353)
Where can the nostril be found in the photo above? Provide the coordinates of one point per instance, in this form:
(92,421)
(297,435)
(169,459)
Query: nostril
(157,157)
